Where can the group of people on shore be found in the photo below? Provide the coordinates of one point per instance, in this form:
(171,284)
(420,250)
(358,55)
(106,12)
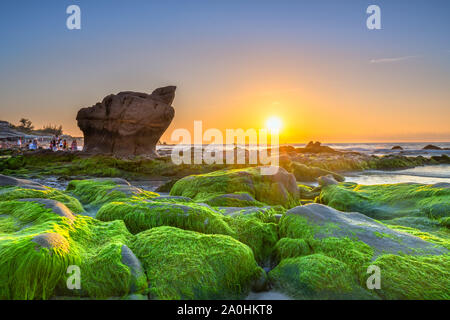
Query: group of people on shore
(59,144)
(56,144)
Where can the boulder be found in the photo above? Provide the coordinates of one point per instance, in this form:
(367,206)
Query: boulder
(189,265)
(322,222)
(6,181)
(57,207)
(37,247)
(389,201)
(327,180)
(279,188)
(306,173)
(127,124)
(396,148)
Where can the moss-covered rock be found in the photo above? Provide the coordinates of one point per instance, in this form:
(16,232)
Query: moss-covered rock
(305,173)
(141,215)
(291,248)
(307,192)
(279,188)
(40,240)
(16,193)
(254,230)
(184,264)
(316,276)
(260,236)
(96,192)
(317,222)
(358,241)
(237,199)
(412,277)
(389,201)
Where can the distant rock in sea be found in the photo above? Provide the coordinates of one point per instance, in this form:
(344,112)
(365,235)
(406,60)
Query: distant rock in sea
(316,147)
(127,124)
(396,148)
(431,147)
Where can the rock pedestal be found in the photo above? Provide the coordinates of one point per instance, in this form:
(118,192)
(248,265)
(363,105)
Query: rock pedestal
(127,124)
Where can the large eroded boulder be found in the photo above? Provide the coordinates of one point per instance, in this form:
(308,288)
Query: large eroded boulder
(128,123)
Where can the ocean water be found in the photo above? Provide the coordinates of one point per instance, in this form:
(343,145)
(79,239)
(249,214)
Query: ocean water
(409,148)
(424,174)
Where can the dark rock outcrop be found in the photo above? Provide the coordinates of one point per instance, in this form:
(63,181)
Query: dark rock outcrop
(128,123)
(396,148)
(316,147)
(431,147)
(6,181)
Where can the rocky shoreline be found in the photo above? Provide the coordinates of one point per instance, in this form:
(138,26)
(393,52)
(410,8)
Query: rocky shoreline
(219,232)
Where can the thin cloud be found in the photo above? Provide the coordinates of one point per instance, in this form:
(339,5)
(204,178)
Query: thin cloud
(392,60)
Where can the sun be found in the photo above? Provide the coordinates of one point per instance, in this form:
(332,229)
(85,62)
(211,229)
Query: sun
(274,124)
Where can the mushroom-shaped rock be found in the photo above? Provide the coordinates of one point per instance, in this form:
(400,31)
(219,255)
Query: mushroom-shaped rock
(128,123)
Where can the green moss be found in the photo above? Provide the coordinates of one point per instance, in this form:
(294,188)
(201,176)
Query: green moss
(75,164)
(261,237)
(265,189)
(445,222)
(13,193)
(98,192)
(139,216)
(307,192)
(38,246)
(352,252)
(237,199)
(189,265)
(389,201)
(291,248)
(315,276)
(305,173)
(293,226)
(412,277)
(439,238)
(399,162)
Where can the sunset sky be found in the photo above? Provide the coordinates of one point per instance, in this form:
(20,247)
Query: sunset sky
(237,63)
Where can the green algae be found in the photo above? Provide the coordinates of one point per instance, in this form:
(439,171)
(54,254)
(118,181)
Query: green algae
(139,216)
(261,237)
(315,276)
(41,245)
(307,192)
(14,193)
(306,173)
(237,199)
(291,248)
(265,189)
(389,201)
(257,230)
(412,277)
(184,264)
(353,253)
(98,192)
(440,238)
(69,164)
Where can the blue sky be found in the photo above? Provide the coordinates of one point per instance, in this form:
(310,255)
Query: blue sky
(307,57)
